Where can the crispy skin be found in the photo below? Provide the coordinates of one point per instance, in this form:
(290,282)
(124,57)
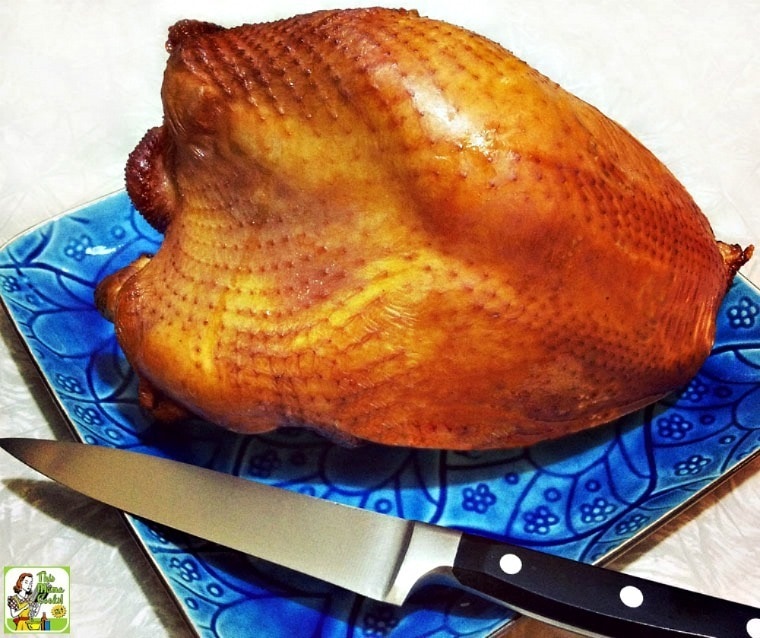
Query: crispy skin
(391,229)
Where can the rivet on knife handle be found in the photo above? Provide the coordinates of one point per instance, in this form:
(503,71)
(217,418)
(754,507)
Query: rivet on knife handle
(595,600)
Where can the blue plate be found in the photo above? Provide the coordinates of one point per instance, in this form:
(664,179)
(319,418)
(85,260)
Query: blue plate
(584,497)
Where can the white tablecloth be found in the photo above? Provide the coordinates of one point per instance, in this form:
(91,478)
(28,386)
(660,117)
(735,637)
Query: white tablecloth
(79,85)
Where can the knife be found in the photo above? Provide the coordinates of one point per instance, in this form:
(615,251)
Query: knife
(379,556)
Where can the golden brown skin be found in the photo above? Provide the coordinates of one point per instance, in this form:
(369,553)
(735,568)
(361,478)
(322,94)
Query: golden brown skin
(391,229)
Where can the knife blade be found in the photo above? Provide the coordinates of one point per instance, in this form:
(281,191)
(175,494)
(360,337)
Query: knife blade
(379,556)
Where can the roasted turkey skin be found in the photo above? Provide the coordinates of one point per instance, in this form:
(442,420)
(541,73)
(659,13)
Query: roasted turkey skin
(391,229)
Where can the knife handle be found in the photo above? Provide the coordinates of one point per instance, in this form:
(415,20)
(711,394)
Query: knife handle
(594,600)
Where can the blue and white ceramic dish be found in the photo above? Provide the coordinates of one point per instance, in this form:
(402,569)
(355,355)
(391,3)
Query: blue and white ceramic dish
(583,497)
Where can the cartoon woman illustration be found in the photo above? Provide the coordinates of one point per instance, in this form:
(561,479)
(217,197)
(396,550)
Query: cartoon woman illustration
(23,607)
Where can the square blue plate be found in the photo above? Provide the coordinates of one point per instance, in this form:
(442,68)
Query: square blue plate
(584,497)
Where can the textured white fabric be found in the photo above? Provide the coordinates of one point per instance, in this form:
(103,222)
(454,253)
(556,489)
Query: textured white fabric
(79,85)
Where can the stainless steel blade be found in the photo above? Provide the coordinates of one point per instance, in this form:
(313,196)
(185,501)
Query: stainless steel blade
(378,556)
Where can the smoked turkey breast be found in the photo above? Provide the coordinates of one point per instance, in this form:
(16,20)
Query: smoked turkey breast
(389,228)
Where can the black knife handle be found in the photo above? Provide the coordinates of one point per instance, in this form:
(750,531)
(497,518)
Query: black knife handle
(594,600)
